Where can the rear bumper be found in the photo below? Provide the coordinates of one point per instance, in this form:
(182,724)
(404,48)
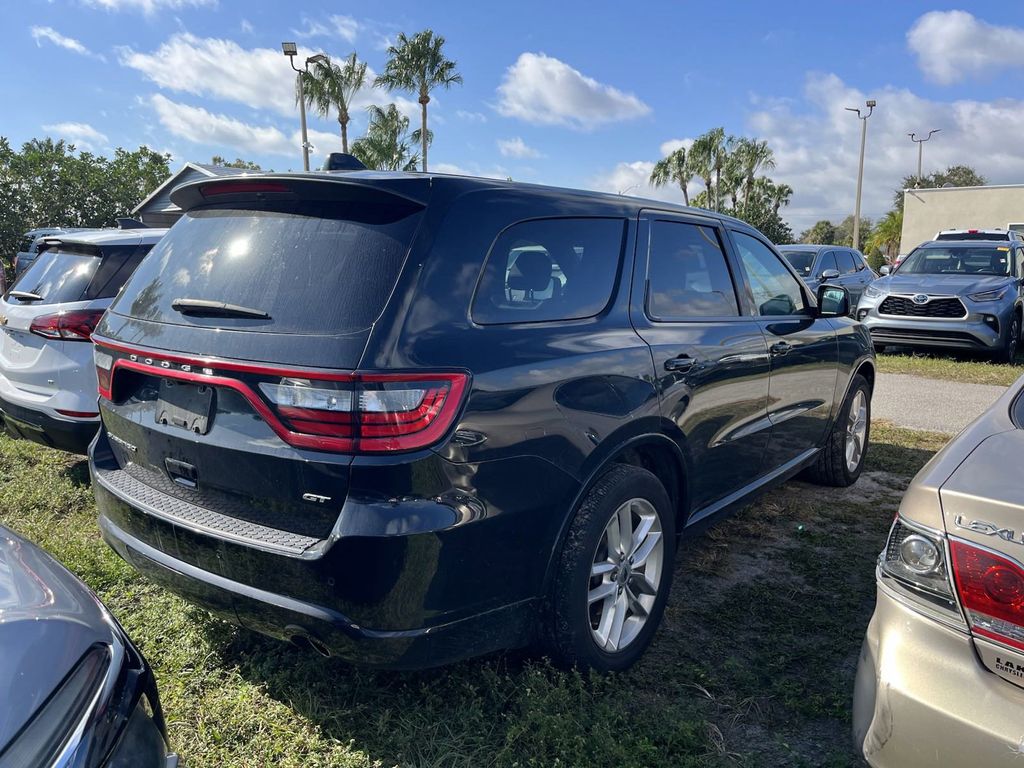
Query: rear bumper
(401,582)
(922,697)
(26,423)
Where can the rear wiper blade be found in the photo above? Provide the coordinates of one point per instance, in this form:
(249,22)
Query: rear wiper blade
(26,295)
(206,308)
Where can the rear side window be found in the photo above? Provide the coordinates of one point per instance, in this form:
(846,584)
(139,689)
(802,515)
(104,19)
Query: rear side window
(116,266)
(687,275)
(316,268)
(847,262)
(549,269)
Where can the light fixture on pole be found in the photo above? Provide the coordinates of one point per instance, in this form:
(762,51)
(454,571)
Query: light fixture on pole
(920,147)
(870,104)
(291,51)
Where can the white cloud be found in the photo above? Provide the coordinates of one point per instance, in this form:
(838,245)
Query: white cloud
(471,117)
(544,90)
(82,135)
(344,27)
(148,6)
(259,78)
(494,172)
(953,45)
(817,147)
(49,33)
(246,26)
(670,146)
(633,178)
(516,148)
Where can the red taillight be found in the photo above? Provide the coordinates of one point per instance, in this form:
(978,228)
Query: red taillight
(76,325)
(241,188)
(991,589)
(370,412)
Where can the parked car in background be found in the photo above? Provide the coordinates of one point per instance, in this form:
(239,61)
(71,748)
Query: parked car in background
(29,248)
(833,264)
(980,234)
(74,691)
(47,377)
(949,293)
(941,674)
(411,418)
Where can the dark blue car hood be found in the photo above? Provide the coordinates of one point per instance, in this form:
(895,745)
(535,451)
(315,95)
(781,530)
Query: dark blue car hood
(48,620)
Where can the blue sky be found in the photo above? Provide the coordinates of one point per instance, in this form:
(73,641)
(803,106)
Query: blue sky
(578,94)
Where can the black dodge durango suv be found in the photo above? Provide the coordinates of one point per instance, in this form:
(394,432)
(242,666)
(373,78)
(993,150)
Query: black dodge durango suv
(410,418)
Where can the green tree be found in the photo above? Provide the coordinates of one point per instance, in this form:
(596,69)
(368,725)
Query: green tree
(238,162)
(954,176)
(886,235)
(674,169)
(822,233)
(752,157)
(418,65)
(386,145)
(844,231)
(761,209)
(332,86)
(707,155)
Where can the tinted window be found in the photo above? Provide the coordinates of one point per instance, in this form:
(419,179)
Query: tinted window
(316,268)
(827,261)
(956,260)
(116,266)
(974,236)
(687,273)
(59,276)
(847,264)
(776,291)
(549,269)
(802,261)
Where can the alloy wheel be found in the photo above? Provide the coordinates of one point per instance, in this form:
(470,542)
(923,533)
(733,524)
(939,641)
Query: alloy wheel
(856,430)
(626,575)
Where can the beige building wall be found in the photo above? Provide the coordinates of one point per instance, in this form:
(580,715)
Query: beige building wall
(926,211)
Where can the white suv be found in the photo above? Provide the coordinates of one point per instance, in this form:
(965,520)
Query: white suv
(979,234)
(47,377)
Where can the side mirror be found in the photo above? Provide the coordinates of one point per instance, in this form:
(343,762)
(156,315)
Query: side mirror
(830,274)
(833,301)
(884,269)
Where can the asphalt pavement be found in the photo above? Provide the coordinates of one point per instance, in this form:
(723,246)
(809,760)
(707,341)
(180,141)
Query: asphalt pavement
(919,403)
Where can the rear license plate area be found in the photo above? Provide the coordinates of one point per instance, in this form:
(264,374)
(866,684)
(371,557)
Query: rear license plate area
(184,405)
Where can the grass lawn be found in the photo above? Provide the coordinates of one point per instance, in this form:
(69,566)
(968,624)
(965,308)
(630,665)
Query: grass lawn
(954,367)
(753,666)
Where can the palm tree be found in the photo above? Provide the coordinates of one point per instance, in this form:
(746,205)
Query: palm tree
(777,195)
(674,168)
(886,235)
(386,145)
(753,156)
(332,86)
(418,65)
(700,162)
(710,154)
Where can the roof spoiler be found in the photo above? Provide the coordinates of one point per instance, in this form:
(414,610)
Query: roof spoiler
(126,222)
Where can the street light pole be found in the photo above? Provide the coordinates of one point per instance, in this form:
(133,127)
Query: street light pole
(290,50)
(920,147)
(860,170)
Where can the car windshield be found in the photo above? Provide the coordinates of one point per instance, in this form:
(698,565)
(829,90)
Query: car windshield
(958,260)
(802,261)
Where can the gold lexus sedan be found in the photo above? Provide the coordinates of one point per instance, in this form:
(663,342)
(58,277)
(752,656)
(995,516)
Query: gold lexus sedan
(941,674)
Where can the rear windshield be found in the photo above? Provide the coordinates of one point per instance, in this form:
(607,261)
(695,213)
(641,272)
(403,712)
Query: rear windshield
(974,236)
(320,268)
(68,274)
(801,261)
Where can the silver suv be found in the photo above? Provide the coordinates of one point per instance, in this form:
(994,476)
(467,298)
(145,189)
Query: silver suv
(950,293)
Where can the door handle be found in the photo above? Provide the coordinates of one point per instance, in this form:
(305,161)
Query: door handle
(679,364)
(780,348)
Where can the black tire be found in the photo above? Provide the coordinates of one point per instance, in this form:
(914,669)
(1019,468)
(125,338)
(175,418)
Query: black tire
(831,466)
(568,635)
(1008,352)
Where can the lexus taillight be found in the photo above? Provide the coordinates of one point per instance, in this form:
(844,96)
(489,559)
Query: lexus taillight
(369,412)
(75,325)
(991,591)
